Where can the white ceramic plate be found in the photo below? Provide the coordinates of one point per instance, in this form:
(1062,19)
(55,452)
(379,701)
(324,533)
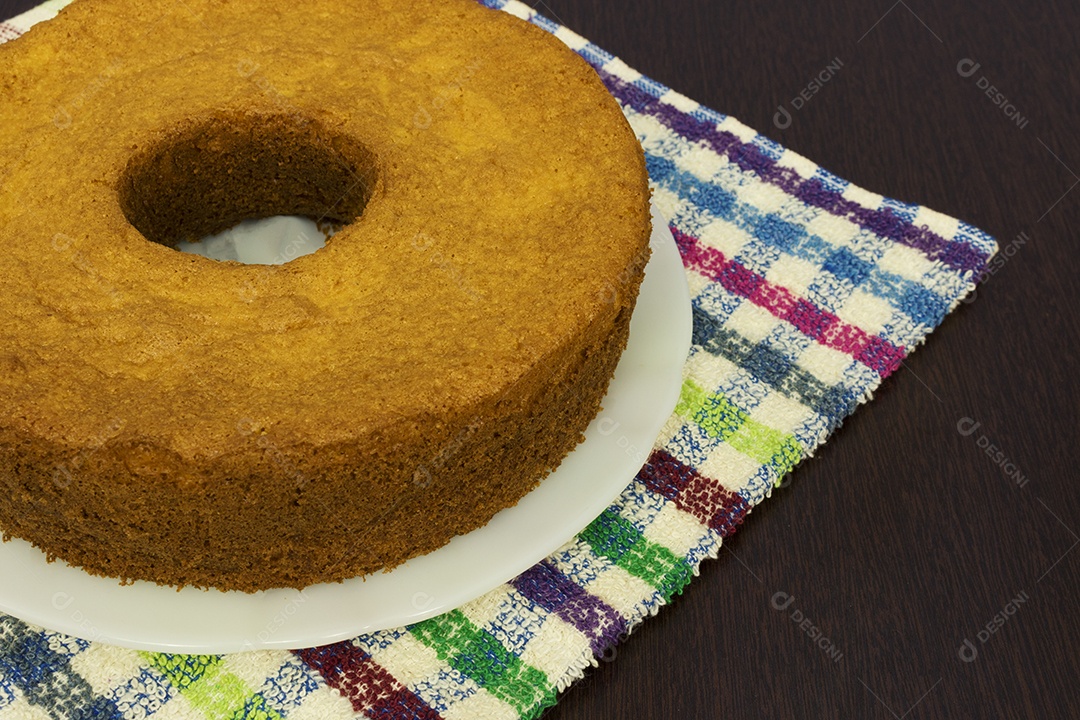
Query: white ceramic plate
(143,615)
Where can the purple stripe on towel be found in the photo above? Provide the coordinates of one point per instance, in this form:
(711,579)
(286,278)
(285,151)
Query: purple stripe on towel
(882,221)
(549,588)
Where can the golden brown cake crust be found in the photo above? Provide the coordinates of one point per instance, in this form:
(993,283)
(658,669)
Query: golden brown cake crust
(168,417)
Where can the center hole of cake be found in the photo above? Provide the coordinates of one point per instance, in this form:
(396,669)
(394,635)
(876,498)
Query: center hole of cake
(264,241)
(251,188)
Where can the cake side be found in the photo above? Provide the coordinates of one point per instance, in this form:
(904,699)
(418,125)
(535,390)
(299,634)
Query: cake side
(274,518)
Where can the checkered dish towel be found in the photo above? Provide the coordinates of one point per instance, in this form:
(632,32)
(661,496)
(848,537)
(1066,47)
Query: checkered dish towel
(807,292)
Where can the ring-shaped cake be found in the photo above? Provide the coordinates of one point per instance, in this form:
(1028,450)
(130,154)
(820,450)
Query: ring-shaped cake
(168,417)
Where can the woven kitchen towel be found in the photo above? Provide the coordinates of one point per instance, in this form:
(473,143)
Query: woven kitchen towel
(807,292)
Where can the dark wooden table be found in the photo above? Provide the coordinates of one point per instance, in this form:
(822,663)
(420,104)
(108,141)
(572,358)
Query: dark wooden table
(946,578)
(902,538)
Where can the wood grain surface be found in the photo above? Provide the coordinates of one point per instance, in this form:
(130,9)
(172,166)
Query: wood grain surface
(946,510)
